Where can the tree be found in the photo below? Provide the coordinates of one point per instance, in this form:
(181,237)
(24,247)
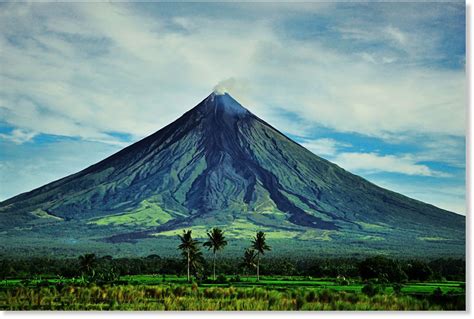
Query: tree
(190,249)
(381,268)
(260,245)
(216,242)
(418,270)
(197,262)
(105,270)
(248,261)
(87,263)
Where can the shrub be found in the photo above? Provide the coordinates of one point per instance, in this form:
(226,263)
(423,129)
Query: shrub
(397,288)
(179,291)
(221,279)
(343,282)
(325,296)
(311,296)
(437,295)
(353,298)
(370,289)
(299,302)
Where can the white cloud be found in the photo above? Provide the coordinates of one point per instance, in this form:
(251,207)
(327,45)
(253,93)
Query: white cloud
(18,136)
(97,68)
(446,149)
(393,35)
(373,162)
(80,92)
(398,36)
(323,146)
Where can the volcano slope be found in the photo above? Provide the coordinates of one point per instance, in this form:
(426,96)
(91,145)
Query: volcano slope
(220,165)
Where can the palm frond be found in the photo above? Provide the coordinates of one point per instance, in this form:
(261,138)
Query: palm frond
(216,240)
(259,243)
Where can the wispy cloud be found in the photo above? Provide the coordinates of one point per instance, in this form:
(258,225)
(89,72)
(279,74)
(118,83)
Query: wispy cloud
(373,162)
(68,61)
(344,155)
(18,136)
(445,149)
(323,146)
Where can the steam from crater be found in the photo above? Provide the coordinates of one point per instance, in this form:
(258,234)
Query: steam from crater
(226,86)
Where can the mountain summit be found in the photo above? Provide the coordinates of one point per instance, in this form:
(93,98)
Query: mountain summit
(225,102)
(220,165)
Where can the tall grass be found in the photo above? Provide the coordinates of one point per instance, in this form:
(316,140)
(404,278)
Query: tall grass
(192,297)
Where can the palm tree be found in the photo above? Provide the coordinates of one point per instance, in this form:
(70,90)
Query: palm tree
(196,260)
(87,263)
(216,242)
(248,261)
(189,247)
(259,244)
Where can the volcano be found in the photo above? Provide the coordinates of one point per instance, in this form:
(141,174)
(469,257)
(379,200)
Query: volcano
(220,165)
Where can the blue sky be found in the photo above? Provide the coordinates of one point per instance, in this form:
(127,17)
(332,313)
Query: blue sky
(378,88)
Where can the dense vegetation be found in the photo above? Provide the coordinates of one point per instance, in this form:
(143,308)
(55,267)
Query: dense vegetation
(91,282)
(374,267)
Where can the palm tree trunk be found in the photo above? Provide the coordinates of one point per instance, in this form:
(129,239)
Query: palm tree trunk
(189,261)
(214,266)
(258,266)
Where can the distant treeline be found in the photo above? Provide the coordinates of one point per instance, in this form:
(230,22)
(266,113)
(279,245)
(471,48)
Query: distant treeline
(379,267)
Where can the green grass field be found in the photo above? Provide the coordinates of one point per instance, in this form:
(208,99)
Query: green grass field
(158,292)
(295,281)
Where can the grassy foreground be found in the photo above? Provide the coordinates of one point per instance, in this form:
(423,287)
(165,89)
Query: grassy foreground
(148,292)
